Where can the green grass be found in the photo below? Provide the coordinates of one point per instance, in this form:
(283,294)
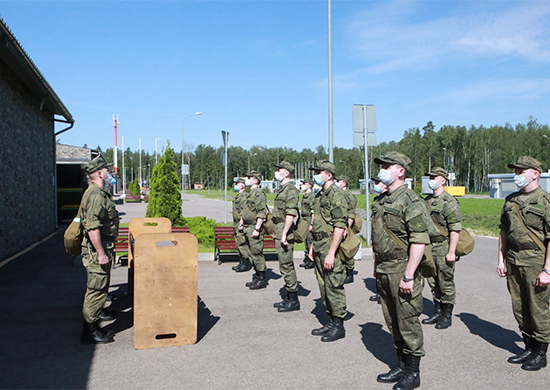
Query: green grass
(482,216)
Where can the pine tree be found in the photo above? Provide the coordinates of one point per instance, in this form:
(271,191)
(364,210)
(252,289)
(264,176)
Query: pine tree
(165,194)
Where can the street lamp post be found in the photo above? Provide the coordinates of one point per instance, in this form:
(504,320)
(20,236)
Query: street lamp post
(156,151)
(255,154)
(182,154)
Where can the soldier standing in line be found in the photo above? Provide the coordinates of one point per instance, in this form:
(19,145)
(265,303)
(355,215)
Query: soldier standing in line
(253,215)
(329,222)
(400,219)
(444,234)
(524,258)
(307,208)
(284,212)
(240,239)
(100,224)
(379,188)
(352,207)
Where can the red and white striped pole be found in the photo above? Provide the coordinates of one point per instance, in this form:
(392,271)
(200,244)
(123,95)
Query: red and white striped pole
(115,152)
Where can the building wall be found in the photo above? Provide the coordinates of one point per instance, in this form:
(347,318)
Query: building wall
(27,161)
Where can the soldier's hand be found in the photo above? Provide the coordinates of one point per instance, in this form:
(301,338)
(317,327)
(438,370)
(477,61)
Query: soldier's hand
(284,241)
(255,233)
(103,259)
(543,279)
(450,258)
(310,228)
(241,227)
(501,269)
(329,262)
(406,287)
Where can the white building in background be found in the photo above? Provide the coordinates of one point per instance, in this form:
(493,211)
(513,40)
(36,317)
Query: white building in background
(502,184)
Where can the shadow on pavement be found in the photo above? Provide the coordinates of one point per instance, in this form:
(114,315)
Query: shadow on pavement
(206,320)
(370,284)
(379,343)
(492,333)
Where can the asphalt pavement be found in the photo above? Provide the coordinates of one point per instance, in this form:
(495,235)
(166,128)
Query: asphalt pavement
(243,342)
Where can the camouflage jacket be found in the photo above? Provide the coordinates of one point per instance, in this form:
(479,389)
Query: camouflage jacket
(534,206)
(254,206)
(238,204)
(308,201)
(445,210)
(286,203)
(352,203)
(99,212)
(331,207)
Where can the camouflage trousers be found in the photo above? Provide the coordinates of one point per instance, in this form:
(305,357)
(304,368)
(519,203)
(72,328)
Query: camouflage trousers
(255,246)
(401,312)
(443,283)
(286,264)
(530,303)
(241,243)
(98,282)
(331,282)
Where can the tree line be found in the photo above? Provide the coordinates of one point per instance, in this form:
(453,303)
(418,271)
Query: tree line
(470,153)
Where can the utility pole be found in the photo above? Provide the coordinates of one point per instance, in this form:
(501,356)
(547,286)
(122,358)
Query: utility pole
(330,135)
(115,154)
(140,171)
(123,170)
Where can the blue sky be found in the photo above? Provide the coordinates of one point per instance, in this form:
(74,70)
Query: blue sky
(258,69)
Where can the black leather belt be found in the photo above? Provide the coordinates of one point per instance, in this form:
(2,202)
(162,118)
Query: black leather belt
(516,247)
(393,255)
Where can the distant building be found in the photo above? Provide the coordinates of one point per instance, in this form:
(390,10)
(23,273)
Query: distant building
(29,108)
(502,184)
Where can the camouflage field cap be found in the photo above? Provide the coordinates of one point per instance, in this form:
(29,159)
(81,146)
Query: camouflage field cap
(285,165)
(344,178)
(307,181)
(255,174)
(324,166)
(394,158)
(96,164)
(239,181)
(527,162)
(438,171)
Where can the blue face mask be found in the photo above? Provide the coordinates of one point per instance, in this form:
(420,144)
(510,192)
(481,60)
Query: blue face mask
(377,188)
(318,179)
(385,177)
(236,188)
(111,181)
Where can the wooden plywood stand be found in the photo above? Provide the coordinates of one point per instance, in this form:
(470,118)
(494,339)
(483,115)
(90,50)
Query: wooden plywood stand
(165,297)
(137,227)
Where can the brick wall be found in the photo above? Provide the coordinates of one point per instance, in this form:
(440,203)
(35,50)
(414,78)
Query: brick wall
(27,162)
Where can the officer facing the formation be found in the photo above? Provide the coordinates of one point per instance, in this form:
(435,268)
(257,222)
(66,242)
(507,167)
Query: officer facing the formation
(399,237)
(444,233)
(352,206)
(329,222)
(254,213)
(379,188)
(307,208)
(240,239)
(100,224)
(284,212)
(524,258)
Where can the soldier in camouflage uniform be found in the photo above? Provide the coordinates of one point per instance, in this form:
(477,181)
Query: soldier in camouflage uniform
(524,258)
(253,215)
(402,214)
(238,227)
(307,208)
(284,212)
(352,207)
(330,218)
(444,235)
(100,224)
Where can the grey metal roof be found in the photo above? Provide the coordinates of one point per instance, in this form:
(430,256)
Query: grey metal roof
(13,54)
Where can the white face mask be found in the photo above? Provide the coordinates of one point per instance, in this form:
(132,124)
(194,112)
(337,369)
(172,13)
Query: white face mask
(278,176)
(338,184)
(318,179)
(247,182)
(385,176)
(521,181)
(377,188)
(433,184)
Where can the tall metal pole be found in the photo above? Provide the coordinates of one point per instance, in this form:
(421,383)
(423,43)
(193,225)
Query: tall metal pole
(366,145)
(140,177)
(115,154)
(330,137)
(182,154)
(123,170)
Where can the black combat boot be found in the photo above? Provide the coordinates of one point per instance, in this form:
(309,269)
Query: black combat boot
(281,303)
(411,377)
(260,282)
(291,304)
(349,276)
(527,352)
(321,331)
(245,266)
(374,297)
(336,332)
(235,267)
(446,318)
(538,357)
(435,317)
(395,374)
(107,315)
(93,334)
(306,259)
(310,264)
